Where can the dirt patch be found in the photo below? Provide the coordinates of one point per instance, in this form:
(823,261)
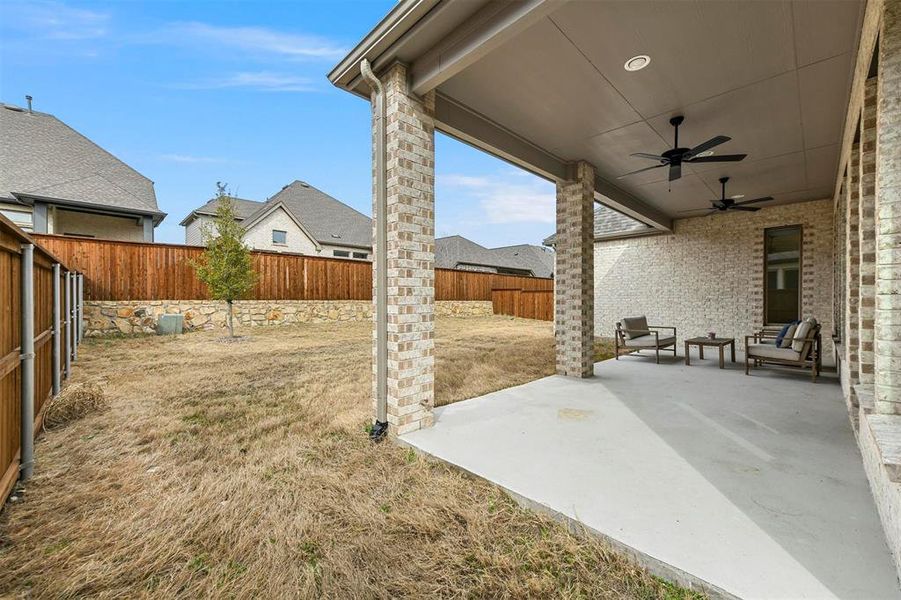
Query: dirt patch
(243,470)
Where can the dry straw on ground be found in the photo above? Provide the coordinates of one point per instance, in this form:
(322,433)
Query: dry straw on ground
(74,402)
(242,470)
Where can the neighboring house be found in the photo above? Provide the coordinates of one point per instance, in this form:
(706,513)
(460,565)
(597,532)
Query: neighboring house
(457,252)
(299,219)
(55,180)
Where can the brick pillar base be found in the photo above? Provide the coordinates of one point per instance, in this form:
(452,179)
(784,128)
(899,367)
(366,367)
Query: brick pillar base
(888,211)
(410,146)
(574,287)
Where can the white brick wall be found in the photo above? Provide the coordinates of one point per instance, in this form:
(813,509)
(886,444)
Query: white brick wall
(708,275)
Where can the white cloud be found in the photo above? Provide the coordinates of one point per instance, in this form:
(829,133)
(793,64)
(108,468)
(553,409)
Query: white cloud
(55,20)
(507,197)
(264,81)
(194,160)
(259,40)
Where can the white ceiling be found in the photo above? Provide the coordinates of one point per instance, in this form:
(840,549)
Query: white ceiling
(773,75)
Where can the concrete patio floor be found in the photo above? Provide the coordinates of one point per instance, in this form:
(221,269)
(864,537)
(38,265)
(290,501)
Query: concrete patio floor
(750,486)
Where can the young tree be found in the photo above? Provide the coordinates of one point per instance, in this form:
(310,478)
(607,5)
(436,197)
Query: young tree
(225,266)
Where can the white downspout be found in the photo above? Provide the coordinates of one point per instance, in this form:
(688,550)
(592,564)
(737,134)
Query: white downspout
(380,427)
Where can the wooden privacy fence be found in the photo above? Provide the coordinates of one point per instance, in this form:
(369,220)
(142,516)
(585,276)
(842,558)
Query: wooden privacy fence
(38,340)
(145,271)
(528,304)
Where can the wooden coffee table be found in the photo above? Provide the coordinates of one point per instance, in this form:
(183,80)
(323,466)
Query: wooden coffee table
(700,342)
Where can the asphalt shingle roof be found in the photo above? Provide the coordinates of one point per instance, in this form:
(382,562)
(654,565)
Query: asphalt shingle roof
(243,208)
(454,250)
(328,221)
(609,223)
(40,156)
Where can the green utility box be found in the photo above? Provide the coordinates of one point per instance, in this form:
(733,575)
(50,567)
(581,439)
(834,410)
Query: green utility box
(170,325)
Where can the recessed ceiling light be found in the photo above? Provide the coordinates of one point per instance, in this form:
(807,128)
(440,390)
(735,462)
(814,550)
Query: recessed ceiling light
(637,63)
(737,196)
(707,153)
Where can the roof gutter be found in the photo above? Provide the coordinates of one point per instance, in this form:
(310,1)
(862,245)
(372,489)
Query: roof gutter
(347,74)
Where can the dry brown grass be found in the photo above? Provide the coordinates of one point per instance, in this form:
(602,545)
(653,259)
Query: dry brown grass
(242,470)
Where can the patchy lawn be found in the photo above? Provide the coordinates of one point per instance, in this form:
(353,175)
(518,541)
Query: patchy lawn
(242,469)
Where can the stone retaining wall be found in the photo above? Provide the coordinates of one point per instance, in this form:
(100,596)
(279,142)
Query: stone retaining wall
(118,317)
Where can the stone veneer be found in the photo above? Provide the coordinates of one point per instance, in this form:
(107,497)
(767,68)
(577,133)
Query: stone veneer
(709,273)
(141,316)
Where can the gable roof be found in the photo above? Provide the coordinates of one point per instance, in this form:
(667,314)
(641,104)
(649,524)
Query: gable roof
(454,250)
(610,224)
(243,209)
(327,220)
(536,258)
(43,158)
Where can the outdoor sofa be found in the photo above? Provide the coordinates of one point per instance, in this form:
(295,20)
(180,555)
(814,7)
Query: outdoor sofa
(796,345)
(634,334)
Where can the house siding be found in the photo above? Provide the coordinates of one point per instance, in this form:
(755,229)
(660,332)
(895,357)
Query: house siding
(259,236)
(194,230)
(708,275)
(104,227)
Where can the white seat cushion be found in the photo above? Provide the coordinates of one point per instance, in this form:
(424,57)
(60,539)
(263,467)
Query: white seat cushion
(650,341)
(771,351)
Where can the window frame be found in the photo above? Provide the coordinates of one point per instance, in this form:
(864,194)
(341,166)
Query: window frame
(274,243)
(360,255)
(343,253)
(766,231)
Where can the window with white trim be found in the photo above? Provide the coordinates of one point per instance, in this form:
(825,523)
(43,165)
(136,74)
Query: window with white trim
(279,237)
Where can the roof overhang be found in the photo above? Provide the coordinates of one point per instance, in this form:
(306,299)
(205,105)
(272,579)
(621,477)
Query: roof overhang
(30,199)
(540,84)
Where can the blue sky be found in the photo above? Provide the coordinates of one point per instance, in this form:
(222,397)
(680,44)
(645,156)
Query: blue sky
(190,93)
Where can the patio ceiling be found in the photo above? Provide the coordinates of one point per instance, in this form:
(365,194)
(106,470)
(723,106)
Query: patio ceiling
(541,83)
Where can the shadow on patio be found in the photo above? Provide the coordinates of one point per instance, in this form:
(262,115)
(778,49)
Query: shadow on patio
(752,485)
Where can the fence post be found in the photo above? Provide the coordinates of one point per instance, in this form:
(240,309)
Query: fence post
(67,298)
(26,460)
(73,289)
(80,319)
(56,319)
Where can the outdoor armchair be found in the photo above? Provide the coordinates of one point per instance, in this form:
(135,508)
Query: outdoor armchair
(801,347)
(633,334)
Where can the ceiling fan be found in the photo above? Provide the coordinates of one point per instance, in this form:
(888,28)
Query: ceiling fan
(675,156)
(725,204)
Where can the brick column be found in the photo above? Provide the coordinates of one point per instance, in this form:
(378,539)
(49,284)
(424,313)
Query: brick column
(574,288)
(852,264)
(888,211)
(867,233)
(410,166)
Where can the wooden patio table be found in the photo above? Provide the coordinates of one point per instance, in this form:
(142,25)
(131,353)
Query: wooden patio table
(700,342)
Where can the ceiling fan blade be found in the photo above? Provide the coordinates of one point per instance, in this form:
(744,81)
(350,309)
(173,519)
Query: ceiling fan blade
(745,208)
(721,158)
(697,210)
(651,156)
(640,171)
(675,171)
(711,143)
(764,199)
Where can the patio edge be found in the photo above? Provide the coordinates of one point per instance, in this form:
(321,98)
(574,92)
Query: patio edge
(654,566)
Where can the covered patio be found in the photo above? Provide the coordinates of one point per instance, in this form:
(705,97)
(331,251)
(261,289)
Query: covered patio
(751,484)
(746,488)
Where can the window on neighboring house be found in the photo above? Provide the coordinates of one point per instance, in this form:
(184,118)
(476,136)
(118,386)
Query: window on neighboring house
(341,253)
(279,237)
(782,286)
(360,255)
